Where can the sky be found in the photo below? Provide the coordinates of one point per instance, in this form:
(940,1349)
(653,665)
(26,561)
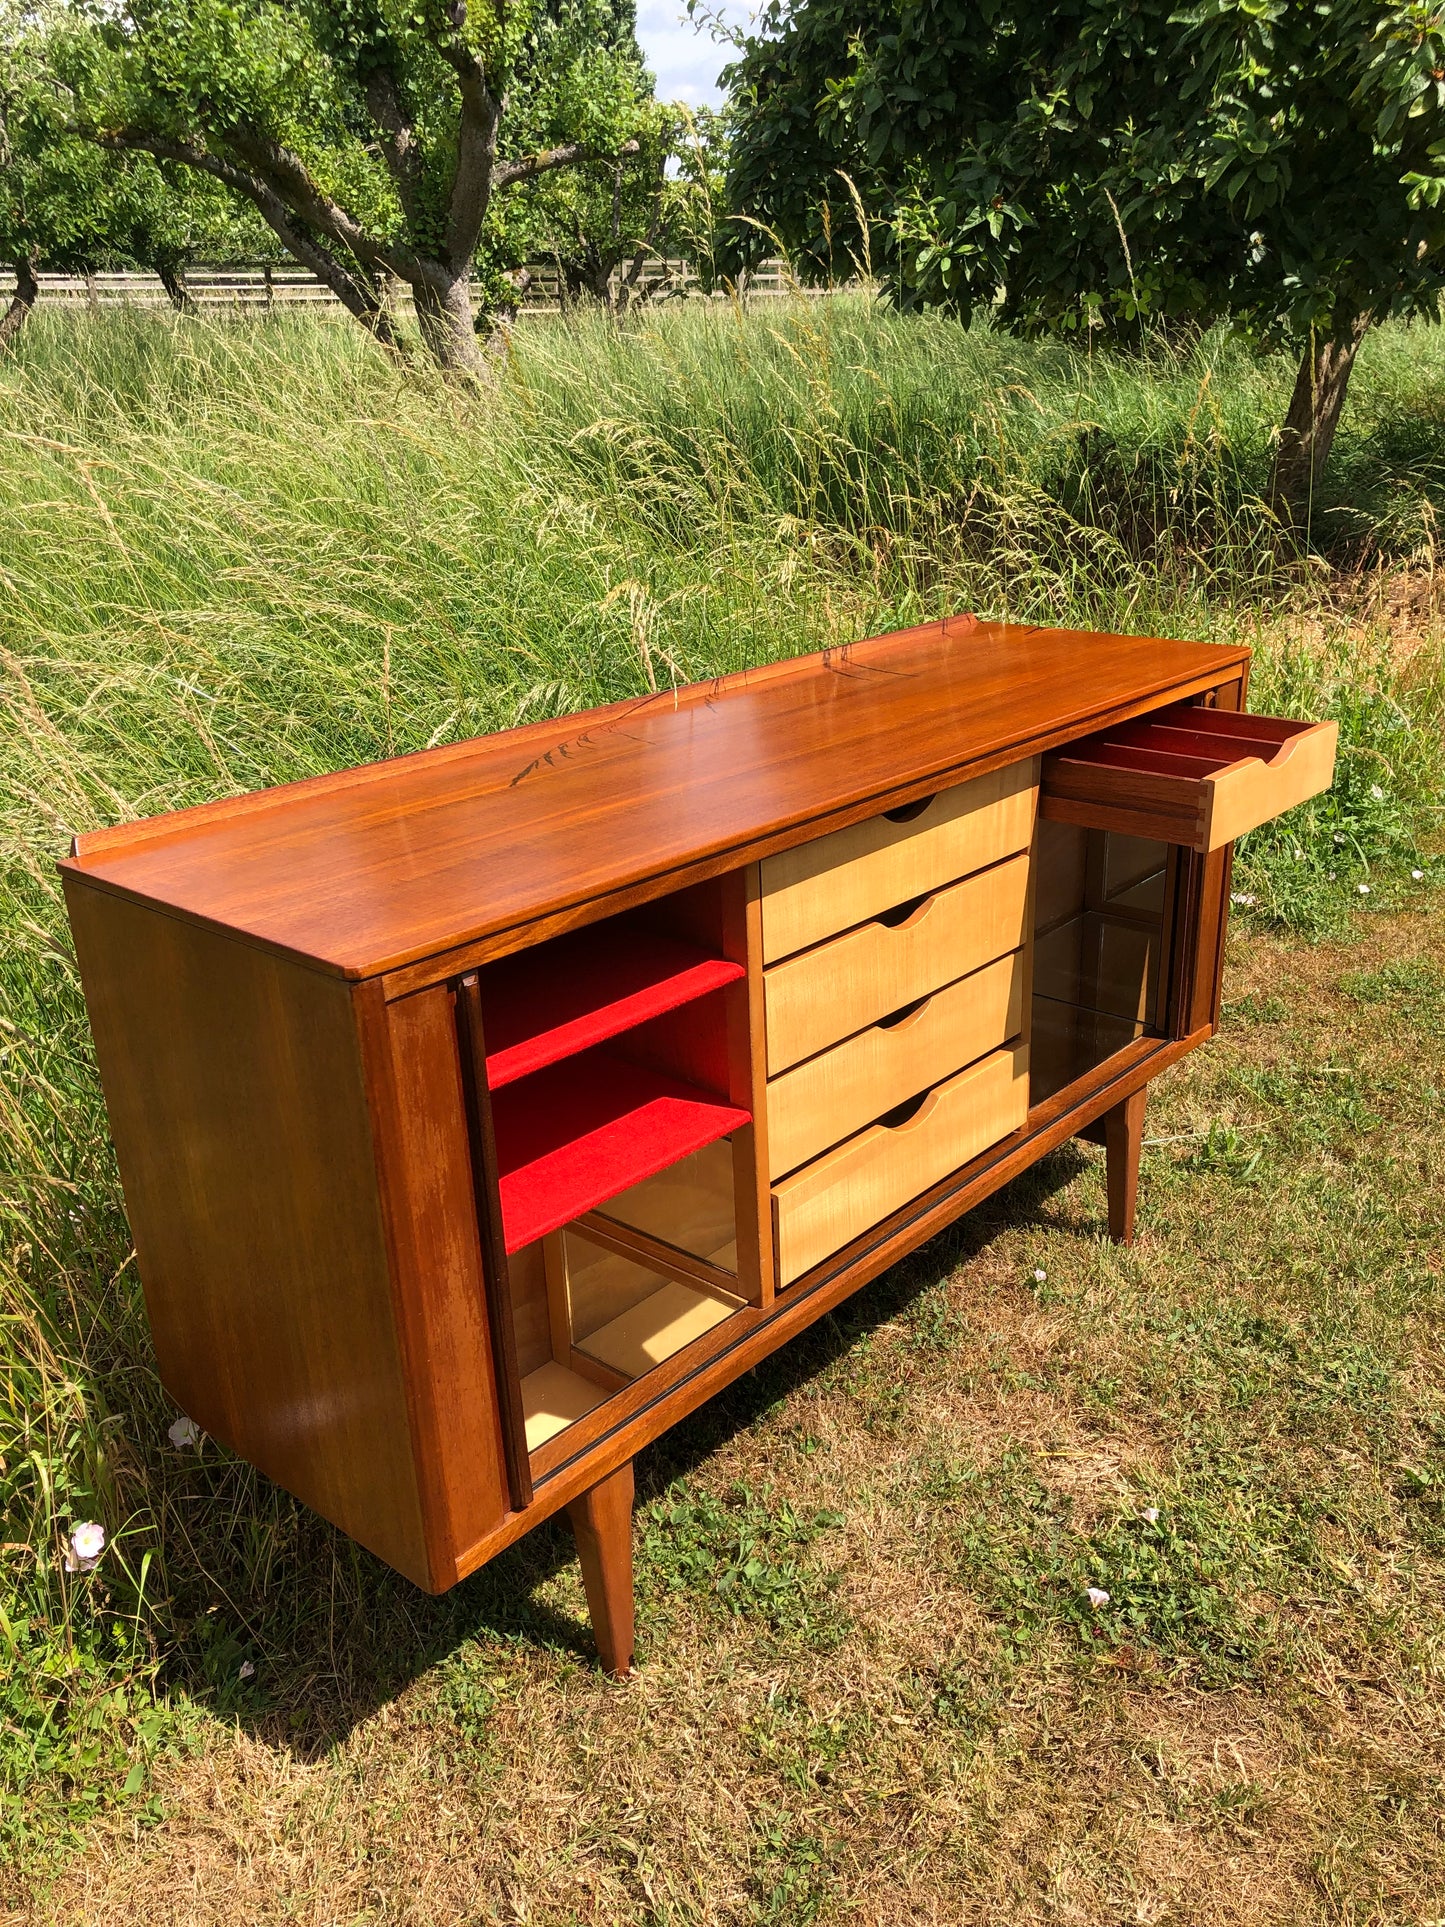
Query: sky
(686,59)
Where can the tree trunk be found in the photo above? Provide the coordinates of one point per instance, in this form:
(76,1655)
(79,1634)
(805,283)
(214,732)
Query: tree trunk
(27,293)
(1314,414)
(444,315)
(173,280)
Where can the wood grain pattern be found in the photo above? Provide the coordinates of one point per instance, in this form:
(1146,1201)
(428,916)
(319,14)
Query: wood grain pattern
(602,1522)
(379,869)
(830,884)
(238,1105)
(814,999)
(413,1075)
(1201,786)
(828,1098)
(843,1193)
(1124,1138)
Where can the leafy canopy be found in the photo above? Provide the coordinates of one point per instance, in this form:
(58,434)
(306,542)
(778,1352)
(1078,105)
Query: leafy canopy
(1097,163)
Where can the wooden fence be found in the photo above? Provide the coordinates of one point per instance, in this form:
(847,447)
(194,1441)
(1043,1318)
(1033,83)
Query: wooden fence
(251,290)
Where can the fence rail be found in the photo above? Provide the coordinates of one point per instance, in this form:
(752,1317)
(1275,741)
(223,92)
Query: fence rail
(251,289)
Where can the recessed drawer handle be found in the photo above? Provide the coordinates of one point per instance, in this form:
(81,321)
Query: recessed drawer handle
(906,1017)
(910,812)
(905,916)
(909,1116)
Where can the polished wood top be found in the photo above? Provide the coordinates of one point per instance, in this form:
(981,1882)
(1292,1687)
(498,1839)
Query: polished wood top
(377,868)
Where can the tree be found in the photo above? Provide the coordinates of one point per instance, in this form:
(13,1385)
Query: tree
(168,219)
(54,190)
(370,135)
(68,207)
(1106,165)
(605,213)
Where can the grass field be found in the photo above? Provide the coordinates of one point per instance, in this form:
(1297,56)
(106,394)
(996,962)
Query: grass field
(868,1687)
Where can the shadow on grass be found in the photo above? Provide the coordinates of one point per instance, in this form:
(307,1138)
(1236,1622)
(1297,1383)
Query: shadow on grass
(346,1634)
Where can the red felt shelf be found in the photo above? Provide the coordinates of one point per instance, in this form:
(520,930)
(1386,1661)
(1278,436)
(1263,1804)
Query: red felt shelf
(546,1004)
(577,1133)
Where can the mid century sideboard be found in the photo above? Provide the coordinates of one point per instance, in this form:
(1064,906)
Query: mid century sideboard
(482,1112)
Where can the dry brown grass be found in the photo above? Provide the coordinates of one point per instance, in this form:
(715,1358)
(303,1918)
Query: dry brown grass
(882,1758)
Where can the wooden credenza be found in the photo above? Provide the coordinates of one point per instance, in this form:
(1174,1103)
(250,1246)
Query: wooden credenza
(482,1112)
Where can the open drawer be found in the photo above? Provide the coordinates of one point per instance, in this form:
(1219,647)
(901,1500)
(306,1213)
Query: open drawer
(1190,776)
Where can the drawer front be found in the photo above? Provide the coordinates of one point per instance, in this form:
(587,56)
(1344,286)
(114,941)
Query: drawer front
(828,1098)
(814,999)
(826,886)
(839,1196)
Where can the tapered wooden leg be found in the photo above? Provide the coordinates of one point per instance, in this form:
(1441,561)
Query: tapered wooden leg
(1123,1139)
(602,1522)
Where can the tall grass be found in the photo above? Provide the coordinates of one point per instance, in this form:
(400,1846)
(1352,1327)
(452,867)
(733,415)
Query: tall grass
(234,556)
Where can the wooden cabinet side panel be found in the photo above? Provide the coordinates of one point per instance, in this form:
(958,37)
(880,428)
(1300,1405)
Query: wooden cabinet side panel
(234,1087)
(410,1051)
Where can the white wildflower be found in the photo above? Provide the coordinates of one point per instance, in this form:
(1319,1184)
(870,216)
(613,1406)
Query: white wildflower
(1040,1276)
(1418,875)
(184,1432)
(1377,792)
(87,1543)
(1243,897)
(1150,1515)
(1096,1596)
(1363,888)
(248,1670)
(1299,856)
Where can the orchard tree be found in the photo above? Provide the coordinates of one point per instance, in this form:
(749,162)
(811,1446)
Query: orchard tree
(370,135)
(1097,164)
(170,219)
(600,219)
(55,190)
(67,207)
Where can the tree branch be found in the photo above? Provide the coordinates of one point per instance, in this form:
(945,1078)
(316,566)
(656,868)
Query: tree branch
(398,145)
(289,179)
(553,157)
(475,177)
(358,300)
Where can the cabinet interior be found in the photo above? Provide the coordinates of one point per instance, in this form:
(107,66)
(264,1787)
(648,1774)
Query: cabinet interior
(619,1101)
(1102,914)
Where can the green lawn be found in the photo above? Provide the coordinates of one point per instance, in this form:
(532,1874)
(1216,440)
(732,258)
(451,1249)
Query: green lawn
(869,1686)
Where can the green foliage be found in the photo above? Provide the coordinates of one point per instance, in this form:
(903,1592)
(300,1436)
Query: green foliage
(746,1551)
(373,137)
(1105,165)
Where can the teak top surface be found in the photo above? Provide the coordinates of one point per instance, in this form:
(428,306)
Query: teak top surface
(376,868)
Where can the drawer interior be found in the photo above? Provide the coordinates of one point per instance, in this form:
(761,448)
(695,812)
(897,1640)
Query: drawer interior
(1189,775)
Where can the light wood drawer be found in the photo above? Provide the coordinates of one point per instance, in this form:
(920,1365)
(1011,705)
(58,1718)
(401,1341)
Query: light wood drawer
(822,887)
(839,1196)
(828,1098)
(821,995)
(1192,776)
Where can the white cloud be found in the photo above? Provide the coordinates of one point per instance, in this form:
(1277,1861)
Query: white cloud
(685,58)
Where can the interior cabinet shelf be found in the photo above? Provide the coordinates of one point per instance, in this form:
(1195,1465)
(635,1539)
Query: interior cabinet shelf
(554,1398)
(549,1003)
(649,1333)
(573,1135)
